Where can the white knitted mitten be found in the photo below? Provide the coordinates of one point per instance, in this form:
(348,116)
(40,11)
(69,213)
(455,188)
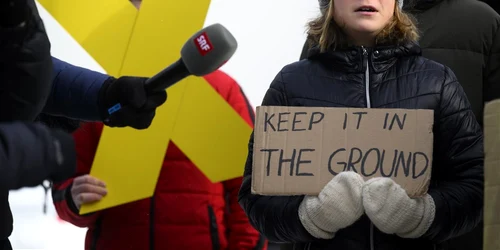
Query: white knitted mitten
(337,206)
(392,211)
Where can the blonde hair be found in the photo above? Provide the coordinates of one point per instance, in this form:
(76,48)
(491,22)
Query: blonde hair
(325,32)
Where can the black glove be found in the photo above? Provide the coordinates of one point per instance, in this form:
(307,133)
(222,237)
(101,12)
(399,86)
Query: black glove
(137,106)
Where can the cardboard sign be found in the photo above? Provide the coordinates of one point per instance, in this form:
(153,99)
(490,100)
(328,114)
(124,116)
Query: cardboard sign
(492,175)
(298,150)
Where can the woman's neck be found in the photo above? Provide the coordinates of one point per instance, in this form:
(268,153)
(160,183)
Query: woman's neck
(365,40)
(367,44)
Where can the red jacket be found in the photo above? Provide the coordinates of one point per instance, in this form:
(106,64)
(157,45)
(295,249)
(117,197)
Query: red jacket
(187,211)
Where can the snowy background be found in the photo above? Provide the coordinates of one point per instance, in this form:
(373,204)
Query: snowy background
(270,34)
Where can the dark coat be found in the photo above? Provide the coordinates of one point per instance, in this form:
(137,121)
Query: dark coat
(465,36)
(33,82)
(495,4)
(337,79)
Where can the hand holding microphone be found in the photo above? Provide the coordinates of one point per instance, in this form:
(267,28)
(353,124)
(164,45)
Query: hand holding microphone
(139,106)
(132,101)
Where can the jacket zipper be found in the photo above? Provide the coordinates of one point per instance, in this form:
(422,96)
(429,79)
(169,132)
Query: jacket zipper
(152,223)
(372,244)
(368,105)
(96,233)
(367,78)
(214,228)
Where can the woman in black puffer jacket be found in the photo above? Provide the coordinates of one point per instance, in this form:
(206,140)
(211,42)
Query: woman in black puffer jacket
(373,61)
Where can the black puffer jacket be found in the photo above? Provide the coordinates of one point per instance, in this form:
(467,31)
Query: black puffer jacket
(398,78)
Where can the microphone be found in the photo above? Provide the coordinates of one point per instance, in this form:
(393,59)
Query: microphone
(203,53)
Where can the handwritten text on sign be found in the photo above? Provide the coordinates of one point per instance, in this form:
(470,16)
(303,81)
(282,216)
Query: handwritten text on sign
(297,150)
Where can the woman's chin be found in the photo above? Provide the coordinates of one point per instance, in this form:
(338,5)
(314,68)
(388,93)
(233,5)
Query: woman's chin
(366,28)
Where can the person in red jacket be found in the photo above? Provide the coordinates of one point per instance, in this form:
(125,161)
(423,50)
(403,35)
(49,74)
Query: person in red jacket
(187,210)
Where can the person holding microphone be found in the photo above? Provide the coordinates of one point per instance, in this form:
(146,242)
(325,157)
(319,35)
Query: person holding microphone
(31,152)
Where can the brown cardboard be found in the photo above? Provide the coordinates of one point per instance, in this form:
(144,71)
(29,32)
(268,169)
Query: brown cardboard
(492,176)
(316,133)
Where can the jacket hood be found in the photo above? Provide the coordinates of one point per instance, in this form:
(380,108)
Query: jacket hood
(420,5)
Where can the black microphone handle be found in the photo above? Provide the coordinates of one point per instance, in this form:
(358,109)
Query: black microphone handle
(161,81)
(167,77)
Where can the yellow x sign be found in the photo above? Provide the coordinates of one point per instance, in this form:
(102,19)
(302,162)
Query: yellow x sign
(200,122)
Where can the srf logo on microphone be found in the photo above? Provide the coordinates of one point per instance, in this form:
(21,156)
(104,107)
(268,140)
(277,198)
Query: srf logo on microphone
(203,43)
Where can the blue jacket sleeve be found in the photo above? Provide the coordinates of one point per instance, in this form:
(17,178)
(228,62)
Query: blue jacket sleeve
(75,91)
